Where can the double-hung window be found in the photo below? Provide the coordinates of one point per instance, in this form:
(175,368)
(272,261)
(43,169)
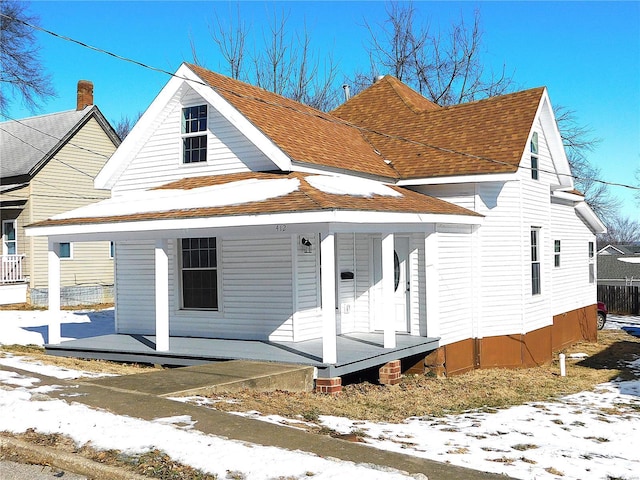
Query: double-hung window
(534,156)
(536,281)
(556,253)
(592,264)
(199,269)
(194,134)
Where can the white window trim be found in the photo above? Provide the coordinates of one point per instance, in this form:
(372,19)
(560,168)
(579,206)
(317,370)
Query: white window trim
(204,133)
(537,261)
(70,257)
(557,258)
(180,298)
(535,157)
(592,262)
(5,250)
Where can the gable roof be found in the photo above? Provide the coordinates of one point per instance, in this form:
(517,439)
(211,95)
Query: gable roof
(256,193)
(423,140)
(27,144)
(306,135)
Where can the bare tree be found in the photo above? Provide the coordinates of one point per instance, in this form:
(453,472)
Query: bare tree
(125,124)
(620,231)
(284,63)
(445,68)
(22,69)
(230,40)
(578,141)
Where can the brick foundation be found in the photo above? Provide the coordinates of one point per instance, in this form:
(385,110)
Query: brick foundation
(331,385)
(390,373)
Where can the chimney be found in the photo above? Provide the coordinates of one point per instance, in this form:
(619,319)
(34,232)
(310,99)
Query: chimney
(85,94)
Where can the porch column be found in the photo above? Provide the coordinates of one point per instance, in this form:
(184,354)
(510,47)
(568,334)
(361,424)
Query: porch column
(162,295)
(328,285)
(432,284)
(54,292)
(388,303)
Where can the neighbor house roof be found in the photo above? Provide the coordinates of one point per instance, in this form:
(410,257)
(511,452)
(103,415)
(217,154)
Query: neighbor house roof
(423,140)
(614,267)
(255,193)
(27,144)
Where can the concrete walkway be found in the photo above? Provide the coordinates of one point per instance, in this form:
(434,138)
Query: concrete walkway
(145,395)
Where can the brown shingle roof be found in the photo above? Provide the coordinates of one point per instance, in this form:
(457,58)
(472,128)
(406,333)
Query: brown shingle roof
(304,199)
(305,134)
(390,121)
(423,140)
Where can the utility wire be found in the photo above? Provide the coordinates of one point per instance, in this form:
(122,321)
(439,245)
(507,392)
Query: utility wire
(318,115)
(20,122)
(46,153)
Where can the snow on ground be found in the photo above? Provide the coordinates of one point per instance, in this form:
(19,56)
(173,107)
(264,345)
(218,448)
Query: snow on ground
(587,435)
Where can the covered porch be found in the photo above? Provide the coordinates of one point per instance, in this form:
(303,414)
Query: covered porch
(355,352)
(334,278)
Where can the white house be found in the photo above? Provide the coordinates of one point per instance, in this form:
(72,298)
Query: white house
(390,228)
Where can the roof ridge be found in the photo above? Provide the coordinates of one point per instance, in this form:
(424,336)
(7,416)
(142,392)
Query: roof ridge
(44,115)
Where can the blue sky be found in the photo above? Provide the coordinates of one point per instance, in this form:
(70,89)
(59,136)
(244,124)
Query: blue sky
(586,53)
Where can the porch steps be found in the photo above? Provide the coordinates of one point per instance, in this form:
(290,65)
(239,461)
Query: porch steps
(212,378)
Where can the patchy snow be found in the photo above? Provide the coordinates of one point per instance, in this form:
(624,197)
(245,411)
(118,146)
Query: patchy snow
(342,185)
(164,200)
(587,435)
(175,436)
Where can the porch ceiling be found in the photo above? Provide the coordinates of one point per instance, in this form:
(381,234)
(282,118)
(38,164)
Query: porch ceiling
(356,352)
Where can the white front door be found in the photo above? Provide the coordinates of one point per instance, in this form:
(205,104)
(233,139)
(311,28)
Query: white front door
(401,284)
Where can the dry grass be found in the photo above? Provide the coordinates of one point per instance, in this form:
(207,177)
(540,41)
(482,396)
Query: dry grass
(27,307)
(95,366)
(152,464)
(427,396)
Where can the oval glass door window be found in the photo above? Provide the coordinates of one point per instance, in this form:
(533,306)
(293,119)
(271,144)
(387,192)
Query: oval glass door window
(396,271)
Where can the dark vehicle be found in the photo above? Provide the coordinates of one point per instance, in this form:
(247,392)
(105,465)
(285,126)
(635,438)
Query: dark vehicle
(602,315)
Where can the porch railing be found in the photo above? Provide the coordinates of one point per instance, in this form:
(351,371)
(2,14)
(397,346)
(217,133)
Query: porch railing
(11,269)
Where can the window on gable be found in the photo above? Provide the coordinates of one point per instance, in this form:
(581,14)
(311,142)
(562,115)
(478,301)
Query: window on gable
(536,281)
(534,156)
(199,271)
(556,253)
(194,134)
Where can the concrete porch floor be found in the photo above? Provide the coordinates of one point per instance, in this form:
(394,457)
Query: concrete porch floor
(356,351)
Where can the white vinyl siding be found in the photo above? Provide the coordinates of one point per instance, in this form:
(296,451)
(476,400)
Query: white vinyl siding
(159,159)
(456,286)
(346,263)
(135,295)
(307,317)
(570,282)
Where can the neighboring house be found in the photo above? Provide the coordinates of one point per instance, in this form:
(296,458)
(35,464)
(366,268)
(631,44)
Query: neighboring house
(245,221)
(619,265)
(48,166)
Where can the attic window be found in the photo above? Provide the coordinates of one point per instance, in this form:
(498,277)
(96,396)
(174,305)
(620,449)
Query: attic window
(534,156)
(194,144)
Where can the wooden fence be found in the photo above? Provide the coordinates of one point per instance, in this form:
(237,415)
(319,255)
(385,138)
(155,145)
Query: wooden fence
(620,300)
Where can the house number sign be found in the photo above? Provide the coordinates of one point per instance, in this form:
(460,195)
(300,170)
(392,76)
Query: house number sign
(281,228)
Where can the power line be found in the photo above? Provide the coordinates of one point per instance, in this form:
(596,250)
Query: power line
(322,116)
(46,153)
(20,122)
